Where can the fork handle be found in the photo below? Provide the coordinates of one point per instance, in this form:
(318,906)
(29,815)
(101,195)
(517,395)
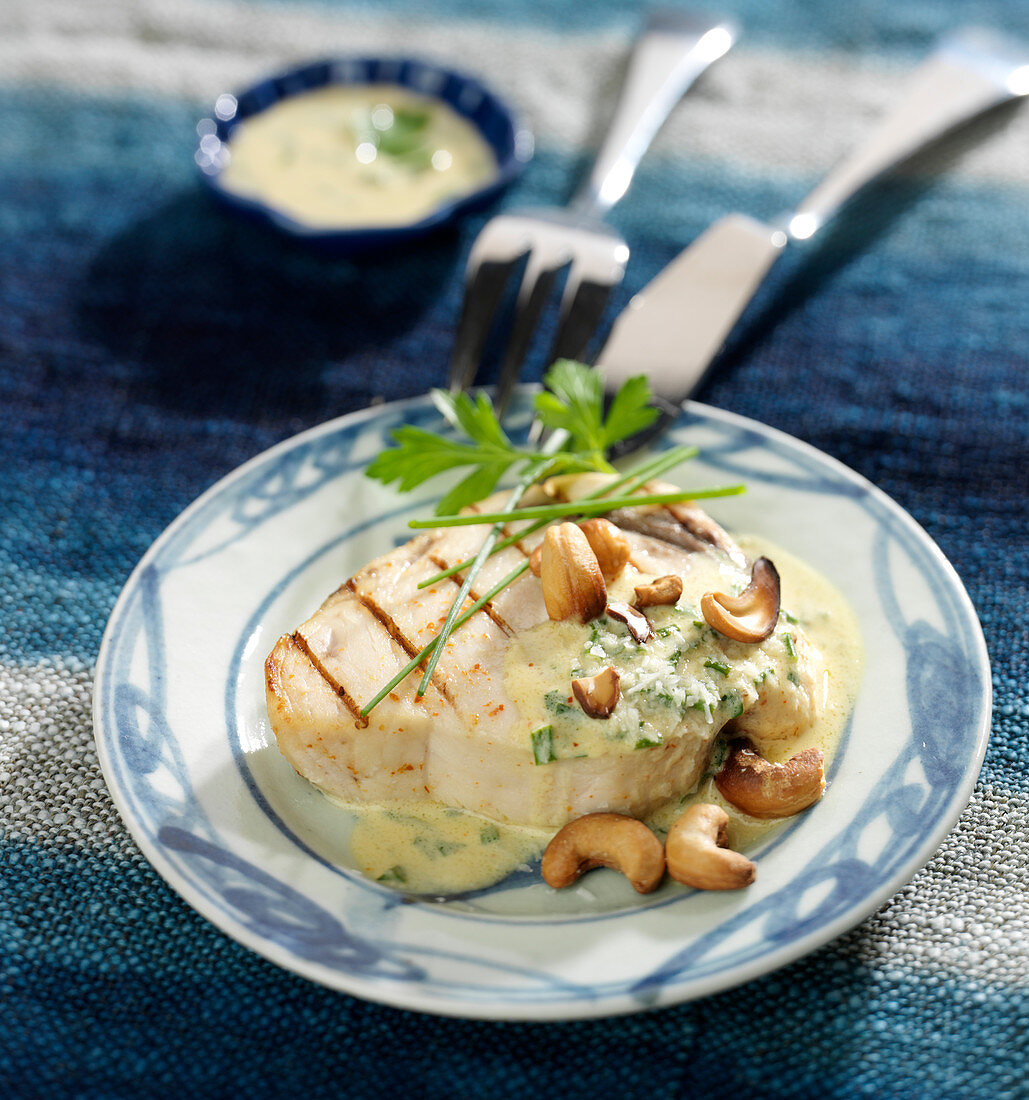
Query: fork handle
(968,74)
(673,50)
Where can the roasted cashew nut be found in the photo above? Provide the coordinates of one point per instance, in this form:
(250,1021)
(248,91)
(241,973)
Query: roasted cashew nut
(598,695)
(573,585)
(660,592)
(605,840)
(751,616)
(762,789)
(698,853)
(611,547)
(608,543)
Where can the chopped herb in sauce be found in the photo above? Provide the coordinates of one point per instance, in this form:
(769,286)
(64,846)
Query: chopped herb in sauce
(435,846)
(393,875)
(733,704)
(557,703)
(543,745)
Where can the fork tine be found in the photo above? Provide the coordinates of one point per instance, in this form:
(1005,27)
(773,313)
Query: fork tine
(532,294)
(582,306)
(484,287)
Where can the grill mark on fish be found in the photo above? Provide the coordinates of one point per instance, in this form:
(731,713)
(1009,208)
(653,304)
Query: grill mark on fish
(360,720)
(488,607)
(388,624)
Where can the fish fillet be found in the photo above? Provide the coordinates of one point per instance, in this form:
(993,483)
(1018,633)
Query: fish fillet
(468,741)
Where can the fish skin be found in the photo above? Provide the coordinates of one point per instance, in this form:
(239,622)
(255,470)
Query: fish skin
(462,743)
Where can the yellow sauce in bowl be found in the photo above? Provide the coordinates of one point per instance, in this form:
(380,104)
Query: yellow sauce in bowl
(348,156)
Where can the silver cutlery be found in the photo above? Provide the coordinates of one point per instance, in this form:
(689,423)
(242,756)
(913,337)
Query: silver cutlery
(673,50)
(674,327)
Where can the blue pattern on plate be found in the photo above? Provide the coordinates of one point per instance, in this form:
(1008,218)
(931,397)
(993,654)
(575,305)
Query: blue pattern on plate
(834,889)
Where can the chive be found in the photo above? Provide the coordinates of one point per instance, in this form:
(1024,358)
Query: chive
(788,642)
(646,743)
(543,745)
(473,571)
(556,441)
(793,677)
(631,480)
(489,834)
(718,666)
(577,507)
(417,659)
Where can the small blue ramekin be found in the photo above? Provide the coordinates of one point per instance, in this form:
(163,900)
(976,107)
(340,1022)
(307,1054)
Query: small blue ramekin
(507,135)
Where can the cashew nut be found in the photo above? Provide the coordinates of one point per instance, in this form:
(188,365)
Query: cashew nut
(665,590)
(762,789)
(605,840)
(608,543)
(751,616)
(698,853)
(536,561)
(573,584)
(598,695)
(638,623)
(575,486)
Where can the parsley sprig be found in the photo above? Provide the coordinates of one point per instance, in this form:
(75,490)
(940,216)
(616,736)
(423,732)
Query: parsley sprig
(573,402)
(572,407)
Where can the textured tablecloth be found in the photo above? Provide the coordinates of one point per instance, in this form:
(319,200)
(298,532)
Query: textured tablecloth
(149,344)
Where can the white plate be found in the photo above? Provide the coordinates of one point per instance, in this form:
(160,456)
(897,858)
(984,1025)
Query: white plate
(191,762)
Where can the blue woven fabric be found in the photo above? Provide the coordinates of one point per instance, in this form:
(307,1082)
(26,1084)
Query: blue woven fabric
(149,344)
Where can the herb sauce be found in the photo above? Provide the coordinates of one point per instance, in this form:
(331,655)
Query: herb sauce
(356,155)
(428,848)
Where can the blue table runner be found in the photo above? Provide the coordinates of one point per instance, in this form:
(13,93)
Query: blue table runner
(149,344)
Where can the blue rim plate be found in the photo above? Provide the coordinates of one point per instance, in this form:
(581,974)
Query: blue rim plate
(501,126)
(185,745)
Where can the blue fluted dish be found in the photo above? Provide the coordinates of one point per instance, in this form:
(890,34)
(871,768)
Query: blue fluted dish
(186,747)
(500,126)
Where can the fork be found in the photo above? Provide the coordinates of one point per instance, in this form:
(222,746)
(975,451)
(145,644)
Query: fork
(673,50)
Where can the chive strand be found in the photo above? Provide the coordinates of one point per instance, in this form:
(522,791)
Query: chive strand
(631,480)
(555,443)
(579,507)
(417,659)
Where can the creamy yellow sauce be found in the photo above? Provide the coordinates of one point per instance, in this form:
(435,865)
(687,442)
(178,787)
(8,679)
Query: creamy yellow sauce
(357,155)
(424,847)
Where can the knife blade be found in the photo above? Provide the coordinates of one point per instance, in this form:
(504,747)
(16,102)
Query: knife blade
(675,326)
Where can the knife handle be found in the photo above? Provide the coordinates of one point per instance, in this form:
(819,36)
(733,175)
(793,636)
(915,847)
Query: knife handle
(674,49)
(967,75)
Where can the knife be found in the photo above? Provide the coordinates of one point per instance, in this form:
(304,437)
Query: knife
(675,326)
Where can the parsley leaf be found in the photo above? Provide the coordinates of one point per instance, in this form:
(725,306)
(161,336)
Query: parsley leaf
(574,401)
(573,404)
(420,455)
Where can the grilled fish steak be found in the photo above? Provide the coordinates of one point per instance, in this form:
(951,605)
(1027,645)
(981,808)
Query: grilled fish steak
(502,685)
